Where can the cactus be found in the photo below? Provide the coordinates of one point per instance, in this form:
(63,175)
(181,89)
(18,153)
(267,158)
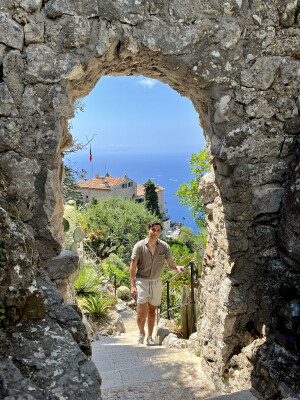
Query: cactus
(73,247)
(78,235)
(66,225)
(123,293)
(73,232)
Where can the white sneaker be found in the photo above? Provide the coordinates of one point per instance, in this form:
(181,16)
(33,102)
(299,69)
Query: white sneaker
(141,338)
(150,342)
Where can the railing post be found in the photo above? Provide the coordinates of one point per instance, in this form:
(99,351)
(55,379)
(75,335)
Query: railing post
(192,298)
(168,300)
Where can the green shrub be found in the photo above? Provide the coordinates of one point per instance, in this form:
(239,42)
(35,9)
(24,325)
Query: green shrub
(121,277)
(97,306)
(117,262)
(107,295)
(87,282)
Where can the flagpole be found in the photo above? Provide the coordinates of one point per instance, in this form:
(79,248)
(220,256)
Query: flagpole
(91,158)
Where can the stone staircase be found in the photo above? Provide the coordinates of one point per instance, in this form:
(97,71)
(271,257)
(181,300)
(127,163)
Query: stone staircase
(131,371)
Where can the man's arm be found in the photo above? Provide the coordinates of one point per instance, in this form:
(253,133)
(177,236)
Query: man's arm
(172,265)
(133,265)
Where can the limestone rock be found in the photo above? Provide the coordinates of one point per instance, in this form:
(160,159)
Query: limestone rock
(56,8)
(31,5)
(22,386)
(262,74)
(19,262)
(261,109)
(44,65)
(10,135)
(11,33)
(34,307)
(161,334)
(65,264)
(207,188)
(286,109)
(287,13)
(48,357)
(184,35)
(7,107)
(267,199)
(193,344)
(162,330)
(66,289)
(173,341)
(34,33)
(65,315)
(111,324)
(6,5)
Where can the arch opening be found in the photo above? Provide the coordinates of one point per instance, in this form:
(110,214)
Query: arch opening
(251,124)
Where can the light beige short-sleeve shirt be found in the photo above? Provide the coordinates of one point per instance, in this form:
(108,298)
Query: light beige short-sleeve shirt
(150,266)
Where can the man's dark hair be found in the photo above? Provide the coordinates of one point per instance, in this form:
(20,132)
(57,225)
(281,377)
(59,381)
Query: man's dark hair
(152,223)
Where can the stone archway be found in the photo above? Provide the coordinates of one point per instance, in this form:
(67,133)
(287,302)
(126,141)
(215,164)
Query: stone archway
(238,63)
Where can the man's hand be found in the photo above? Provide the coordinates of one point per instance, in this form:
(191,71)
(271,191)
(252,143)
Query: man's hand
(172,265)
(134,292)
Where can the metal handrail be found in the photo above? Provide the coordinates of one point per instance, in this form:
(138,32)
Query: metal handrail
(194,277)
(178,273)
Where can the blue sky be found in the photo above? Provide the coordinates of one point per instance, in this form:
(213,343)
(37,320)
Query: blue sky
(137,115)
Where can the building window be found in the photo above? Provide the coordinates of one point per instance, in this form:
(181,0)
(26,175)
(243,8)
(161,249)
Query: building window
(130,184)
(124,185)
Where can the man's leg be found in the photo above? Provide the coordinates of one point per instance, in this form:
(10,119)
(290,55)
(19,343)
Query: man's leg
(151,319)
(141,310)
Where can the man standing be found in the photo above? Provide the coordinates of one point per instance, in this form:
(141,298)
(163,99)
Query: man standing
(147,264)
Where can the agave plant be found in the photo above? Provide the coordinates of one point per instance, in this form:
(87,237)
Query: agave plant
(87,282)
(97,306)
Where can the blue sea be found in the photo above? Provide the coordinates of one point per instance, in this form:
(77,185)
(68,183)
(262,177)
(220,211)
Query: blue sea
(167,170)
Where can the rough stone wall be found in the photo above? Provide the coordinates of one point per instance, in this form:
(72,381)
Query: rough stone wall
(238,61)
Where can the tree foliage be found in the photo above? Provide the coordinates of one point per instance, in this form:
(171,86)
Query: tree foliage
(71,189)
(189,196)
(151,198)
(188,192)
(114,225)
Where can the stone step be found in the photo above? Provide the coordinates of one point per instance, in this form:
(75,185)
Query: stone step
(140,372)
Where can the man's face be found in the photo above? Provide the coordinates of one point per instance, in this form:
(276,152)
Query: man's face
(154,232)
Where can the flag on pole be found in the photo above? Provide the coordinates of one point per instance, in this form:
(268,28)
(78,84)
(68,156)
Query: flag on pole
(91,157)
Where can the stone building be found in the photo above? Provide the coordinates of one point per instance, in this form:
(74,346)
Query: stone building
(103,187)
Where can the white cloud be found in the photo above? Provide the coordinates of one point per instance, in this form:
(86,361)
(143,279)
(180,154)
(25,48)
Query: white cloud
(148,82)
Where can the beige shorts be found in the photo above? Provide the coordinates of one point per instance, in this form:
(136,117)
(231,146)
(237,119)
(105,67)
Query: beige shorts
(149,291)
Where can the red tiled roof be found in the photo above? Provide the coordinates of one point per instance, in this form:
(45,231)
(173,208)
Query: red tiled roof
(141,190)
(100,183)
